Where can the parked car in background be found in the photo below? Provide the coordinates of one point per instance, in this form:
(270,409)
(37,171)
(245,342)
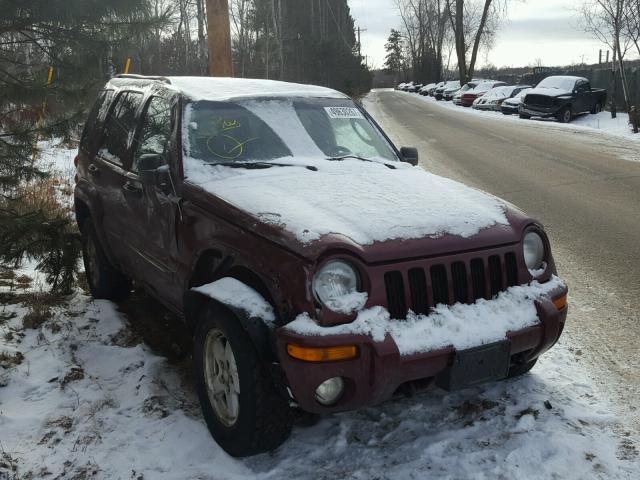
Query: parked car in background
(494,98)
(470,96)
(415,87)
(400,86)
(449,92)
(406,86)
(562,97)
(432,91)
(457,97)
(439,92)
(511,106)
(424,91)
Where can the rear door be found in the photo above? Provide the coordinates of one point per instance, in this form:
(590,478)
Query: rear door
(110,168)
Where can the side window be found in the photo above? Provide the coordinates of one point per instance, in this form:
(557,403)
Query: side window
(583,87)
(155,132)
(95,119)
(120,127)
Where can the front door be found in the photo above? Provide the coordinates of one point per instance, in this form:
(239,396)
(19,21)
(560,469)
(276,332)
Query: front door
(152,209)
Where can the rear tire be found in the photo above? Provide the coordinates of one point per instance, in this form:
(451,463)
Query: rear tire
(597,108)
(524,116)
(260,418)
(518,370)
(105,281)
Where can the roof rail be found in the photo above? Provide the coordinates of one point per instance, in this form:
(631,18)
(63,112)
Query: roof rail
(143,77)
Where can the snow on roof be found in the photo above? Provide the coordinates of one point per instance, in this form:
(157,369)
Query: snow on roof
(223,88)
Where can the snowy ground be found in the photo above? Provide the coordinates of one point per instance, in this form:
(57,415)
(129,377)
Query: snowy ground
(81,395)
(91,389)
(601,123)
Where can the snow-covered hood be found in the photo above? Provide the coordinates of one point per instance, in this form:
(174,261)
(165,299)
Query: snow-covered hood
(549,92)
(364,203)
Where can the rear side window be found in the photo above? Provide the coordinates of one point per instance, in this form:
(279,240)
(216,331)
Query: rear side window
(156,130)
(95,120)
(120,128)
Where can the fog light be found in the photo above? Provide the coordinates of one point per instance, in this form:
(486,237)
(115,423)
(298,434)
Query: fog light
(330,391)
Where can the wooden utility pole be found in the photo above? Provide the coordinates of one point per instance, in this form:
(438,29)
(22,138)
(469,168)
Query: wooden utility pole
(219,30)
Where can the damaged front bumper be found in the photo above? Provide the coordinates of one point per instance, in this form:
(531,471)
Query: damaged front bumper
(379,369)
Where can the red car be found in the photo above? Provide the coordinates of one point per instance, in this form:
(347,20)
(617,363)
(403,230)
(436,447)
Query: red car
(315,265)
(469,97)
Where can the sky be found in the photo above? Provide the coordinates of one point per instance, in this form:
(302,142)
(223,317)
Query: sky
(535,29)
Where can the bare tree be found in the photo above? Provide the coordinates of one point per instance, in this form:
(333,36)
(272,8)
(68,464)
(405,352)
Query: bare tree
(632,22)
(605,20)
(425,28)
(474,24)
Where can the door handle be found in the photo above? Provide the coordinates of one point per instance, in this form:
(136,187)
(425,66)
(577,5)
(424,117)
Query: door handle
(93,170)
(132,190)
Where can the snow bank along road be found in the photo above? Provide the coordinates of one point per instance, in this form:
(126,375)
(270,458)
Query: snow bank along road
(584,185)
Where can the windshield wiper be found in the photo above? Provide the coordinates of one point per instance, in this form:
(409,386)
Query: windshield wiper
(356,157)
(259,165)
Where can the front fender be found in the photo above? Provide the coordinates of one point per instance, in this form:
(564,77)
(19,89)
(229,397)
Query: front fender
(219,302)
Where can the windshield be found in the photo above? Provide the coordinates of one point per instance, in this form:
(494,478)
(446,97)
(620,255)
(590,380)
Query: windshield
(269,129)
(561,83)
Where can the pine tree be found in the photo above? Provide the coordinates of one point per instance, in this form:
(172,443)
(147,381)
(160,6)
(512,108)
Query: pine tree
(394,47)
(81,39)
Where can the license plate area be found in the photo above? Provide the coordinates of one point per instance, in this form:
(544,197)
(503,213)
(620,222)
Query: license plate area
(476,365)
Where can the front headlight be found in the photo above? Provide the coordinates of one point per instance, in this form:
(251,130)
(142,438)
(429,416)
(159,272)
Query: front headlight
(534,253)
(336,285)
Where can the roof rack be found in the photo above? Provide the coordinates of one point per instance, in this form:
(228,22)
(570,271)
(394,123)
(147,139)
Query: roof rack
(143,77)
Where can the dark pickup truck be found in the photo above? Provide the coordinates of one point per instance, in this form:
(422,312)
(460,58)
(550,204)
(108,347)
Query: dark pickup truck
(563,98)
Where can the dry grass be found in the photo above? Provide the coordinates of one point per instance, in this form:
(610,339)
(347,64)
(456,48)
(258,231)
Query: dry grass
(46,195)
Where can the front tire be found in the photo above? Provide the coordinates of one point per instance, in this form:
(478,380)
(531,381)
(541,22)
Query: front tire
(524,116)
(105,281)
(244,412)
(519,370)
(565,115)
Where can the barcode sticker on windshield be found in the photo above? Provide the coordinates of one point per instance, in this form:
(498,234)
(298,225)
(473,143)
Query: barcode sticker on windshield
(343,112)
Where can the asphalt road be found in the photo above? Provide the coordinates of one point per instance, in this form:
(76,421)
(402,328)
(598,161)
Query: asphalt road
(583,186)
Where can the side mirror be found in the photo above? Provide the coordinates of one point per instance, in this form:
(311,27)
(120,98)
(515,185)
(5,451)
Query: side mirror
(409,155)
(147,166)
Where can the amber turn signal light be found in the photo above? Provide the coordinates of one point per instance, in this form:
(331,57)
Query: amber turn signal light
(322,354)
(560,302)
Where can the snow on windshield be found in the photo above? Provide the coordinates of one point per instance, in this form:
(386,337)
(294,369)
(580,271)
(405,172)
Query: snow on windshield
(560,83)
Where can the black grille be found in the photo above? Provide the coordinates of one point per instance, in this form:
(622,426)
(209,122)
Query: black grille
(458,282)
(539,100)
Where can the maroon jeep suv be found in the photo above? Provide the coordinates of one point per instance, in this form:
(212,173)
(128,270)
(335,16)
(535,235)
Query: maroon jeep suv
(315,264)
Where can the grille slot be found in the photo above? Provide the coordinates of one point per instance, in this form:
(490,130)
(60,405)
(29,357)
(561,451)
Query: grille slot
(477,279)
(495,274)
(439,284)
(512,269)
(418,289)
(395,295)
(459,279)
